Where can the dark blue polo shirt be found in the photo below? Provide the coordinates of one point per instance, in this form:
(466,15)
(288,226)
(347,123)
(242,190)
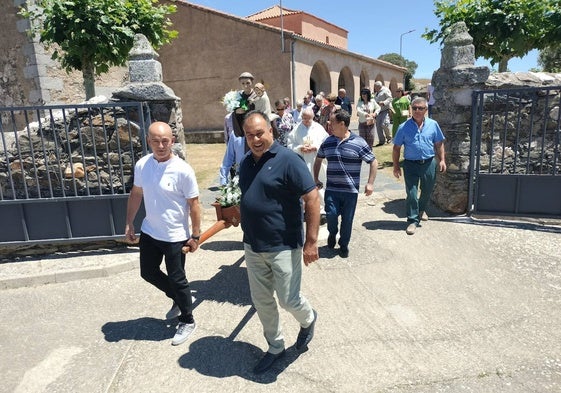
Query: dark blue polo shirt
(271,209)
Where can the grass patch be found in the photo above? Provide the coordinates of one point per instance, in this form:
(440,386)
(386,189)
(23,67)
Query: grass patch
(384,156)
(206,160)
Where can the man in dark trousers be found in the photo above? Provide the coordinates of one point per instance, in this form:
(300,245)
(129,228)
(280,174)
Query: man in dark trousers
(423,139)
(171,196)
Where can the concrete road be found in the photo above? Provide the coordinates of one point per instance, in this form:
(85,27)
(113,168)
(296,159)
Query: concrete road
(461,306)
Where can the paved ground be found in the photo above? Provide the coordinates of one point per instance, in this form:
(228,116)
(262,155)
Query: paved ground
(461,306)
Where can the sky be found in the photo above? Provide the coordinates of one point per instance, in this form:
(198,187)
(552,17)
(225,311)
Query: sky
(375,27)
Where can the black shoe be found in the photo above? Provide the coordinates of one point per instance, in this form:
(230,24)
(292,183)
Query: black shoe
(322,219)
(306,334)
(267,361)
(331,241)
(344,252)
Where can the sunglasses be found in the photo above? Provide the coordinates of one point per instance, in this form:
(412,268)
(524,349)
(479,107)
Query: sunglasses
(418,108)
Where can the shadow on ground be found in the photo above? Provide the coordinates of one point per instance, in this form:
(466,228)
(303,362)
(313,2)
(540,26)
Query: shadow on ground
(222,357)
(142,329)
(229,285)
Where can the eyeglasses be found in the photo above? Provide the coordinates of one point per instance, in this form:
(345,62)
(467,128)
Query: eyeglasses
(280,109)
(418,108)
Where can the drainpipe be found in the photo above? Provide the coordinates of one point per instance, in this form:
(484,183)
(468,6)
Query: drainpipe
(293,71)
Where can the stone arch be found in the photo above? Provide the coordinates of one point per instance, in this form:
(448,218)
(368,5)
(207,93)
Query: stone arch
(346,81)
(380,78)
(319,78)
(364,80)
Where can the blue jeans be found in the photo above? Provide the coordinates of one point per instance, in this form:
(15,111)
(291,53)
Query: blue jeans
(340,204)
(423,175)
(174,284)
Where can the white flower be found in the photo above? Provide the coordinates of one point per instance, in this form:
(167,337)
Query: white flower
(231,100)
(230,193)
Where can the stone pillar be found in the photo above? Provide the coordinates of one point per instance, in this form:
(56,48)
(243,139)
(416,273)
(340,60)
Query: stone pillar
(145,85)
(454,83)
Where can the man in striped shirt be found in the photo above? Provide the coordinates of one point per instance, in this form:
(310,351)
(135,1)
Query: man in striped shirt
(344,152)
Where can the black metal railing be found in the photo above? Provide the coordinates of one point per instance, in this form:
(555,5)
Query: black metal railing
(59,162)
(515,151)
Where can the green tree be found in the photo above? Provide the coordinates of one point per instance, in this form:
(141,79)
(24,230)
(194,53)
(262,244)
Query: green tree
(399,60)
(550,59)
(93,35)
(501,29)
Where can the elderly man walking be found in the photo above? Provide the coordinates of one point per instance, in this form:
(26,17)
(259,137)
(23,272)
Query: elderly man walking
(422,139)
(383,97)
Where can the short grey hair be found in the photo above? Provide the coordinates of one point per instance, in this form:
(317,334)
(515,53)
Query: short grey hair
(378,83)
(419,100)
(307,111)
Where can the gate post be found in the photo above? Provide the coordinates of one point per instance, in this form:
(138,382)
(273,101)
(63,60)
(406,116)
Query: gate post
(454,83)
(145,85)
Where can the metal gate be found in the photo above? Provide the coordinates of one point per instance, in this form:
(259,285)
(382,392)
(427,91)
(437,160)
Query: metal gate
(66,171)
(515,163)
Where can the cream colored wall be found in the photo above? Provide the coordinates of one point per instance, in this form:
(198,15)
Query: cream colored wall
(212,50)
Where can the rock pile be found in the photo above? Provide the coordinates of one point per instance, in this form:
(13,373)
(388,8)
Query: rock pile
(75,152)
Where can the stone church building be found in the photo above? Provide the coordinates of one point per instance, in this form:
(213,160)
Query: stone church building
(290,52)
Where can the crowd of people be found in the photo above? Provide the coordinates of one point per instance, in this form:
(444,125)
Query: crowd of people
(298,168)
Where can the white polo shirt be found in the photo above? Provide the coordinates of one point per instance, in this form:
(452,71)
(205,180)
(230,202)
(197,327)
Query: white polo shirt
(166,186)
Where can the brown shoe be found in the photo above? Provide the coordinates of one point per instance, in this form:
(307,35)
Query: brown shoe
(411,228)
(424,216)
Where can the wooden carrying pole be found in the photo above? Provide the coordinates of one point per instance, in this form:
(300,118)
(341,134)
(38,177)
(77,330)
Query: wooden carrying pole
(225,218)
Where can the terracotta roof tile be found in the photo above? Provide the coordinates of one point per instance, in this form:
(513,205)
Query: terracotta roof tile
(271,12)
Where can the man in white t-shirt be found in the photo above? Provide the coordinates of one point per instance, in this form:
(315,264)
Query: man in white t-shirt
(171,196)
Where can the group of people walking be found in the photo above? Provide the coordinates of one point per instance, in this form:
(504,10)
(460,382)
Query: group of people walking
(292,176)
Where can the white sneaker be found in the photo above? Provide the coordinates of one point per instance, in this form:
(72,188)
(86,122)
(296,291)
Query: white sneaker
(184,330)
(411,228)
(424,216)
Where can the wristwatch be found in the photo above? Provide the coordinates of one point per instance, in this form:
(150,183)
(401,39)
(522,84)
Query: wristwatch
(197,238)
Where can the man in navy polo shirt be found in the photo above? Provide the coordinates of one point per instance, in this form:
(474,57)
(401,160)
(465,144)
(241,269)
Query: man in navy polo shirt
(274,181)
(422,138)
(345,153)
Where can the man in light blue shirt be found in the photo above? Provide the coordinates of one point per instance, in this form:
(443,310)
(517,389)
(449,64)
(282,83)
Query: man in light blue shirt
(235,151)
(422,139)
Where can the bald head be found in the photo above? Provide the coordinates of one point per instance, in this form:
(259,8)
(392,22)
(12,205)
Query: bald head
(160,139)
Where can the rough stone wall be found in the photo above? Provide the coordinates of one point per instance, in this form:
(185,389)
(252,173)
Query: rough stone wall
(454,83)
(70,87)
(145,85)
(17,84)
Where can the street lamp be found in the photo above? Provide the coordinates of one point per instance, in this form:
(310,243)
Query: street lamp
(401,39)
